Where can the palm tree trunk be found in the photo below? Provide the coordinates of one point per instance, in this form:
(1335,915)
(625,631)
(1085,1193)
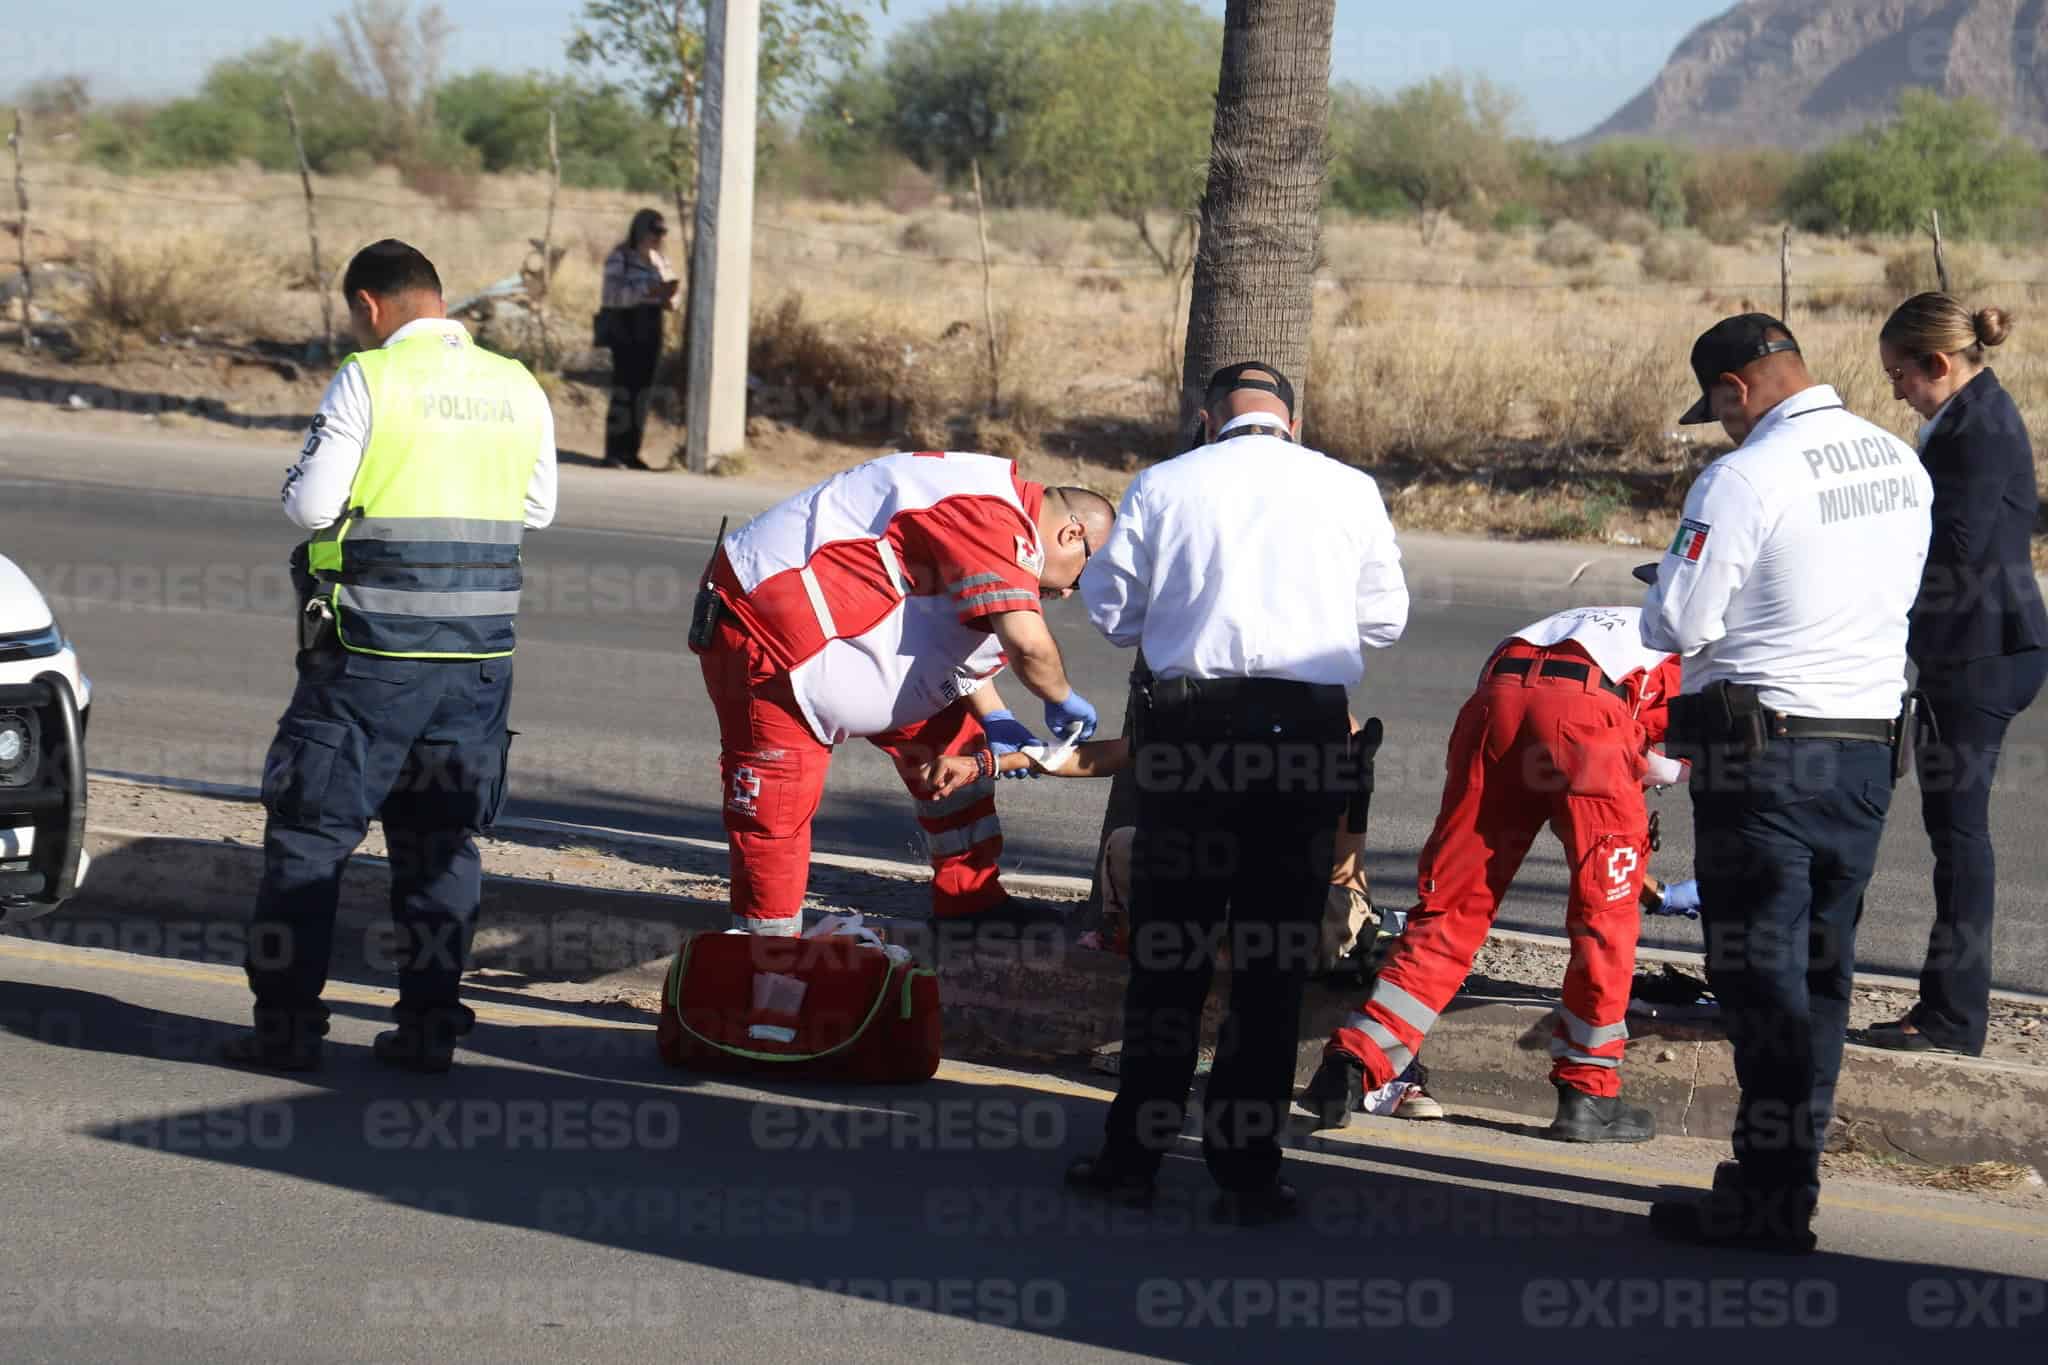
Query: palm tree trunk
(1254,286)
(1261,213)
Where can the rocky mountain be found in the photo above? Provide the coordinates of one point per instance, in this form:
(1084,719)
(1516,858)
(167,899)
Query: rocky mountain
(1798,73)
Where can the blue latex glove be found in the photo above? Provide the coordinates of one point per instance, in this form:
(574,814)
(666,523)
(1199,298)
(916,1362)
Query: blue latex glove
(1683,898)
(1006,735)
(1062,716)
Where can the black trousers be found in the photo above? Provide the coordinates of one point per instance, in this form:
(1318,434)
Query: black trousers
(1971,706)
(1785,847)
(1236,823)
(634,362)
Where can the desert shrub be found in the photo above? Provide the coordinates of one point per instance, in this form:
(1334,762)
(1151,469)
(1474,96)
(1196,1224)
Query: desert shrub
(136,295)
(1675,260)
(1045,237)
(1515,216)
(862,382)
(1727,227)
(1952,155)
(1911,271)
(1632,227)
(1568,246)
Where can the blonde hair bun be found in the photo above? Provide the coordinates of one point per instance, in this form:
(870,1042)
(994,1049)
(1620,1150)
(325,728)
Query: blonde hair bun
(1992,325)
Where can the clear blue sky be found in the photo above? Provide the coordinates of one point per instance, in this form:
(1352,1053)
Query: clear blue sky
(1572,64)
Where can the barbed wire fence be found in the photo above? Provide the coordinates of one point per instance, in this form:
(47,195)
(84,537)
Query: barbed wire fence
(58,186)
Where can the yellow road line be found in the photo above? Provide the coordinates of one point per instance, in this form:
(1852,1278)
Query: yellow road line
(28,950)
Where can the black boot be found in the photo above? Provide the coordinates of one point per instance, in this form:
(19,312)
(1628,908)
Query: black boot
(278,1042)
(1734,1216)
(1336,1091)
(1274,1203)
(424,1043)
(1100,1178)
(1591,1118)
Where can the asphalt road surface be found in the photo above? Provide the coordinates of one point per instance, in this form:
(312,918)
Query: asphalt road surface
(167,565)
(562,1197)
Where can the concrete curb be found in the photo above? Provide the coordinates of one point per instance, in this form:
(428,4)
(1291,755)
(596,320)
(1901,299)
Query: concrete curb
(1010,993)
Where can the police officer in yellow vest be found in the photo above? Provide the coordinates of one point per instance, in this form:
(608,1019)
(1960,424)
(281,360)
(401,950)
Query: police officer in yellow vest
(428,460)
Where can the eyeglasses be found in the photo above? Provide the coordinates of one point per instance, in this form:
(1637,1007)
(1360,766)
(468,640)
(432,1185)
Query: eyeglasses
(1086,552)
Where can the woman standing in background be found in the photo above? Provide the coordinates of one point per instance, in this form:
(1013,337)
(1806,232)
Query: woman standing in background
(1979,640)
(639,291)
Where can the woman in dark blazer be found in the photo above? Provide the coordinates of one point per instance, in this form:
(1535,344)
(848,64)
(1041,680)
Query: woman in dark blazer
(1979,639)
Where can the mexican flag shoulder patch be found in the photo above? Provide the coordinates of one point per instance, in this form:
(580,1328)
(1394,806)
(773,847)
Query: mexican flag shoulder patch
(1691,542)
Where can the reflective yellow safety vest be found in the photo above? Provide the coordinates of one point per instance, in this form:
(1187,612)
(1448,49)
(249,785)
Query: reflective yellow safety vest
(424,564)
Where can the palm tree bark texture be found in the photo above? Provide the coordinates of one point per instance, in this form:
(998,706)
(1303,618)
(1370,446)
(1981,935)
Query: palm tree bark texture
(1260,225)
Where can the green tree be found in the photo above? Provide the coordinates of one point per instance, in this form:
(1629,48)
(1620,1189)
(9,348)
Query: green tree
(341,124)
(953,88)
(655,49)
(606,140)
(1439,145)
(1635,173)
(1951,155)
(1123,137)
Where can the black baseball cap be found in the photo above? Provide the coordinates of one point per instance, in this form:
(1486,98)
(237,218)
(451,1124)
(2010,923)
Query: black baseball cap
(1728,346)
(1231,378)
(1646,573)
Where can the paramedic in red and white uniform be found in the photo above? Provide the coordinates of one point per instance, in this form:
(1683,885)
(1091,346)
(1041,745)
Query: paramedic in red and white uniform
(878,605)
(1560,731)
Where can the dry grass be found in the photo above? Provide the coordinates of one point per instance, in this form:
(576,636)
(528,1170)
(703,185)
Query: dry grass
(138,294)
(1858,1148)
(1506,383)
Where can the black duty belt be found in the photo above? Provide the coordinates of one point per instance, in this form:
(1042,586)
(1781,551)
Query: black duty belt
(1172,693)
(1781,726)
(1520,665)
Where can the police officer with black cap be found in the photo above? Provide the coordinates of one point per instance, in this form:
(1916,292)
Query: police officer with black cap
(1252,573)
(1786,591)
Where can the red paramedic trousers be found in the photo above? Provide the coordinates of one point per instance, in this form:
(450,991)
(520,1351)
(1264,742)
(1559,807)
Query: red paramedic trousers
(773,769)
(1526,749)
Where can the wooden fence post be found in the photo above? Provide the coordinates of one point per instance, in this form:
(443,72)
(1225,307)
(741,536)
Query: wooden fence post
(291,115)
(988,306)
(28,284)
(547,246)
(1785,275)
(1940,255)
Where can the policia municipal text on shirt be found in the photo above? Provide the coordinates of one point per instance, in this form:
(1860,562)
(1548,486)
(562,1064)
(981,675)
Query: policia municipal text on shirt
(1786,592)
(428,461)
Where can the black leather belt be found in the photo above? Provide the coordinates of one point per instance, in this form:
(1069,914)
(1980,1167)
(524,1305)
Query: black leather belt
(1170,693)
(1781,726)
(1520,665)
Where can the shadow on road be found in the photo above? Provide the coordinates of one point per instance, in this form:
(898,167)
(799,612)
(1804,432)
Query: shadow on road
(836,1200)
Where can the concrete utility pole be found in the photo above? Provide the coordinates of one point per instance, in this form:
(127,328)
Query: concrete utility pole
(721,258)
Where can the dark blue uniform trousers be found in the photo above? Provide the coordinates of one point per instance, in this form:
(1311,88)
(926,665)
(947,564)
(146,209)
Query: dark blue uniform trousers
(1971,706)
(419,744)
(1786,844)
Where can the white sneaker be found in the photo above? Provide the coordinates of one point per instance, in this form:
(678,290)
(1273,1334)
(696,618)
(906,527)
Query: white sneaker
(1418,1104)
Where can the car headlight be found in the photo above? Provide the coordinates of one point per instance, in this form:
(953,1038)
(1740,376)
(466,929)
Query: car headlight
(18,747)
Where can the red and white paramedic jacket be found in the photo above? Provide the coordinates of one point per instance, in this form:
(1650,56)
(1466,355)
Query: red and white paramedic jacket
(872,590)
(1612,638)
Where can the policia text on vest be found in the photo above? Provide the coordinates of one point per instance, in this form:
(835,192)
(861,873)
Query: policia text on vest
(425,563)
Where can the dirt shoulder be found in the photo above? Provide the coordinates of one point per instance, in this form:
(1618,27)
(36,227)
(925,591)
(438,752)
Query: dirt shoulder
(1511,968)
(694,875)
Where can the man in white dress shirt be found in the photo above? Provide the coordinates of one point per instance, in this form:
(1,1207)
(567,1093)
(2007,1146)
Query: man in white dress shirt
(1252,573)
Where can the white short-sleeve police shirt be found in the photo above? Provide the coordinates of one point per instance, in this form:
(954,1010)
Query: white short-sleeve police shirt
(1797,563)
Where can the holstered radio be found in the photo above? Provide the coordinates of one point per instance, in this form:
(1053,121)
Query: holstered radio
(709,607)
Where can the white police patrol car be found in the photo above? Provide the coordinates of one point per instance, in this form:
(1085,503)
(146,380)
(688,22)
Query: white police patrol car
(43,705)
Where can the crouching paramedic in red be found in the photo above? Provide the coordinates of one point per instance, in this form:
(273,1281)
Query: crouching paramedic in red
(879,605)
(1559,730)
